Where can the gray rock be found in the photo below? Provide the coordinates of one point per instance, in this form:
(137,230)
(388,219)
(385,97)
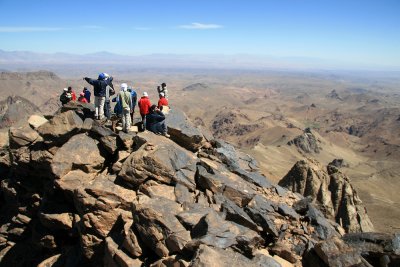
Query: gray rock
(80,152)
(235,214)
(182,131)
(288,211)
(158,227)
(109,143)
(61,127)
(323,227)
(23,136)
(334,252)
(161,159)
(208,256)
(374,243)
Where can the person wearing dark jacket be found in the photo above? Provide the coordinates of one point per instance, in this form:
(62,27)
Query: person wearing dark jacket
(65,97)
(87,94)
(155,121)
(99,89)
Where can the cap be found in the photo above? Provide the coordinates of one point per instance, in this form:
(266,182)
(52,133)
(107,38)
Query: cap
(161,94)
(145,94)
(65,89)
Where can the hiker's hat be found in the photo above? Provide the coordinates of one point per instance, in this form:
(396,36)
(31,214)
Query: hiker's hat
(145,94)
(124,86)
(65,89)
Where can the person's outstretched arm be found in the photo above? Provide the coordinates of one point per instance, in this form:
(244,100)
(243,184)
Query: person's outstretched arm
(89,80)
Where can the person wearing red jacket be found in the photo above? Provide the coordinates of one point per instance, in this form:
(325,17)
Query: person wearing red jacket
(82,98)
(72,92)
(162,101)
(144,108)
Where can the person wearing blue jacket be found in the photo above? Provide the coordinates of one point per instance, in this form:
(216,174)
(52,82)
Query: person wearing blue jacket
(99,91)
(87,94)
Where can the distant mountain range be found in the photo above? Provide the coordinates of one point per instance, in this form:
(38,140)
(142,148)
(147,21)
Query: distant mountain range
(11,59)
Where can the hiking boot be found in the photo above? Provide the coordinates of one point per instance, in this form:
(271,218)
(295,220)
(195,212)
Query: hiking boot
(166,135)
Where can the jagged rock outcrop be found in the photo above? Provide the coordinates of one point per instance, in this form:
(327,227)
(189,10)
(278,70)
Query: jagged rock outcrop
(334,95)
(333,192)
(77,194)
(339,163)
(15,109)
(233,123)
(306,143)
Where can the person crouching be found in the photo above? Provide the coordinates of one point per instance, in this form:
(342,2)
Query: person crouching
(126,103)
(155,121)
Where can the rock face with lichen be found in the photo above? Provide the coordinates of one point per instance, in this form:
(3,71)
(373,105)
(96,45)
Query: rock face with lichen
(74,193)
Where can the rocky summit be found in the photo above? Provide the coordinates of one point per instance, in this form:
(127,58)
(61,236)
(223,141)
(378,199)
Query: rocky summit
(74,193)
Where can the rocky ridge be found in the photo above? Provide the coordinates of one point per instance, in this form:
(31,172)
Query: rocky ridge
(74,193)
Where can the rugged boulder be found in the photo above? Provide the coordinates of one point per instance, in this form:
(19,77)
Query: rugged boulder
(182,131)
(332,190)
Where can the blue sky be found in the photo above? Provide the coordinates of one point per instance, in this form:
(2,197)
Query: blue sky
(366,32)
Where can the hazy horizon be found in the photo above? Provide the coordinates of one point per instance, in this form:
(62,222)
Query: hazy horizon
(296,34)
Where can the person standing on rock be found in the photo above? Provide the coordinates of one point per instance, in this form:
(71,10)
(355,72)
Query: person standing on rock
(65,97)
(144,107)
(126,103)
(134,100)
(155,121)
(163,89)
(99,90)
(109,92)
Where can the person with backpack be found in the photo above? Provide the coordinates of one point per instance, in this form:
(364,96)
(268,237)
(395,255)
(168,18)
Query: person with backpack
(163,89)
(155,121)
(87,93)
(65,97)
(126,104)
(134,100)
(99,90)
(144,107)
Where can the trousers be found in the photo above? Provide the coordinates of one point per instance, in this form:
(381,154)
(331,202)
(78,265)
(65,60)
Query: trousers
(126,120)
(99,106)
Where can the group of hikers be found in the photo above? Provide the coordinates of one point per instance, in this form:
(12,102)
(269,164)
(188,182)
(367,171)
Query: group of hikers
(152,116)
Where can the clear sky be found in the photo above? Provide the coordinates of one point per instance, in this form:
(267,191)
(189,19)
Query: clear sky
(355,31)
